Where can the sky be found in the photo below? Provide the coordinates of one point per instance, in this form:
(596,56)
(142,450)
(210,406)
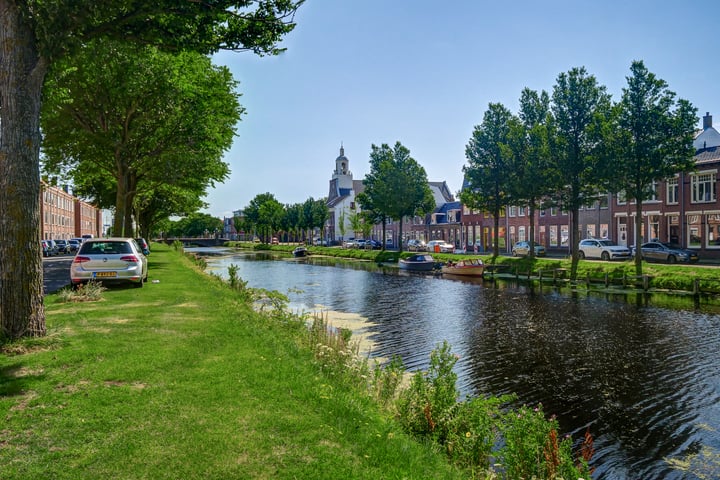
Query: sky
(421,72)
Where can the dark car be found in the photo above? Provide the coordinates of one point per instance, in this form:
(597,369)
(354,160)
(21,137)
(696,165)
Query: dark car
(144,247)
(667,252)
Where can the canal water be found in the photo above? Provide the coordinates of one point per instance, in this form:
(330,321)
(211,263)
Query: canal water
(643,378)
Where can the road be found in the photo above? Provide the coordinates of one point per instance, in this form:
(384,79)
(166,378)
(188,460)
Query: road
(56,272)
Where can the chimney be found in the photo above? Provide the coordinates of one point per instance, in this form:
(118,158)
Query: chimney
(707,121)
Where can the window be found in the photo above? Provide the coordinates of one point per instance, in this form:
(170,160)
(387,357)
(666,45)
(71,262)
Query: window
(590,231)
(621,198)
(654,192)
(693,230)
(521,211)
(712,236)
(702,187)
(604,230)
(654,223)
(512,212)
(553,211)
(672,190)
(553,236)
(521,234)
(542,212)
(564,235)
(604,202)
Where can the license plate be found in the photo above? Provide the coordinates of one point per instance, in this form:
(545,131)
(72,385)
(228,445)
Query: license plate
(105,274)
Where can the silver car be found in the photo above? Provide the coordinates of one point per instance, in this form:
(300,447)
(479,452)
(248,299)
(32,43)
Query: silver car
(109,260)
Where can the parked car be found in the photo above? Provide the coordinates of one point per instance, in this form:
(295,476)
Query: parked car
(74,244)
(109,260)
(47,249)
(442,246)
(62,246)
(667,252)
(143,244)
(349,243)
(416,245)
(373,244)
(521,249)
(603,249)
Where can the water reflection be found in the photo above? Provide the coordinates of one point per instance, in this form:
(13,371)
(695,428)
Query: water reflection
(643,379)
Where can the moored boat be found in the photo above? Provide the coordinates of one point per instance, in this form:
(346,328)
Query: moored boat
(471,267)
(300,252)
(417,263)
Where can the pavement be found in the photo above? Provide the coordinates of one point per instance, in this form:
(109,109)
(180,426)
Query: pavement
(56,272)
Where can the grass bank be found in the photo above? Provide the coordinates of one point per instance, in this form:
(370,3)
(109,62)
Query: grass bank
(182,379)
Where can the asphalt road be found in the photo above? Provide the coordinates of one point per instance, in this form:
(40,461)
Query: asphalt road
(56,272)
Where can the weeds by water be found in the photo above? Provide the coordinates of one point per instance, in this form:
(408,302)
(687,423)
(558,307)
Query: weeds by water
(482,435)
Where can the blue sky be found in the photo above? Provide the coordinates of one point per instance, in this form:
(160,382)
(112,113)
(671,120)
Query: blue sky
(423,73)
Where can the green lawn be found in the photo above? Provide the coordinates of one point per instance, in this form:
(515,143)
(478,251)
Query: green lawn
(182,380)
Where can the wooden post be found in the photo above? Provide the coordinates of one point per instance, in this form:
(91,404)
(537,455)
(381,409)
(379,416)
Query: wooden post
(607,280)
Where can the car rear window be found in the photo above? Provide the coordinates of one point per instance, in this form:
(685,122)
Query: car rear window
(105,248)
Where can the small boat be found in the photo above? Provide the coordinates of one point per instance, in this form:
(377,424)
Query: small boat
(417,263)
(300,252)
(471,267)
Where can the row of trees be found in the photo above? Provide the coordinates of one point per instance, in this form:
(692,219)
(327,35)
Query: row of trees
(568,147)
(42,36)
(265,216)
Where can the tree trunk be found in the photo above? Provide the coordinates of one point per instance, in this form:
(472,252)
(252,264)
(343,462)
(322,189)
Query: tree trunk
(22,72)
(575,233)
(638,238)
(400,236)
(496,236)
(532,228)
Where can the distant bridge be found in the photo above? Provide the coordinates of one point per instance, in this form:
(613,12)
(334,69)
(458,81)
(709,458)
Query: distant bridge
(196,242)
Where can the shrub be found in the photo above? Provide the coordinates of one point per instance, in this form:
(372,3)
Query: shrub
(87,292)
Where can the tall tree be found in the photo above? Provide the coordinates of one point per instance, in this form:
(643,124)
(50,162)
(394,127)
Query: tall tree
(653,140)
(265,214)
(34,34)
(486,173)
(580,107)
(530,155)
(140,116)
(397,185)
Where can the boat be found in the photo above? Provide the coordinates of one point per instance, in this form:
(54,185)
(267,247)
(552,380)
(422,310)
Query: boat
(417,263)
(300,252)
(471,267)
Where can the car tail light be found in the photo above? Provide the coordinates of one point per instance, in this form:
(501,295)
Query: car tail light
(130,259)
(79,259)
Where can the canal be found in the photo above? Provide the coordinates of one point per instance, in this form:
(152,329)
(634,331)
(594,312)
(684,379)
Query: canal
(643,378)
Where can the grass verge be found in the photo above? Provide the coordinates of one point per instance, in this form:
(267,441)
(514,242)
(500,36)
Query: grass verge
(182,379)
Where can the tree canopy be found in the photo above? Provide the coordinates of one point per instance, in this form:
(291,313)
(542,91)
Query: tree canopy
(650,139)
(486,173)
(34,35)
(397,185)
(580,108)
(142,117)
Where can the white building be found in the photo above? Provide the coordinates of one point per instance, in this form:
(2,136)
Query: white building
(341,199)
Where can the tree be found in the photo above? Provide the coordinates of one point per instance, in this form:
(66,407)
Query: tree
(140,116)
(530,155)
(397,185)
(35,34)
(580,107)
(196,225)
(486,173)
(653,140)
(264,214)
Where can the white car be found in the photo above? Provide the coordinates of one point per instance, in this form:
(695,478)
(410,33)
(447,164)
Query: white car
(603,249)
(109,260)
(442,246)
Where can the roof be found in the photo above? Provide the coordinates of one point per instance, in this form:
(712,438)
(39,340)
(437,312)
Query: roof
(706,139)
(708,155)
